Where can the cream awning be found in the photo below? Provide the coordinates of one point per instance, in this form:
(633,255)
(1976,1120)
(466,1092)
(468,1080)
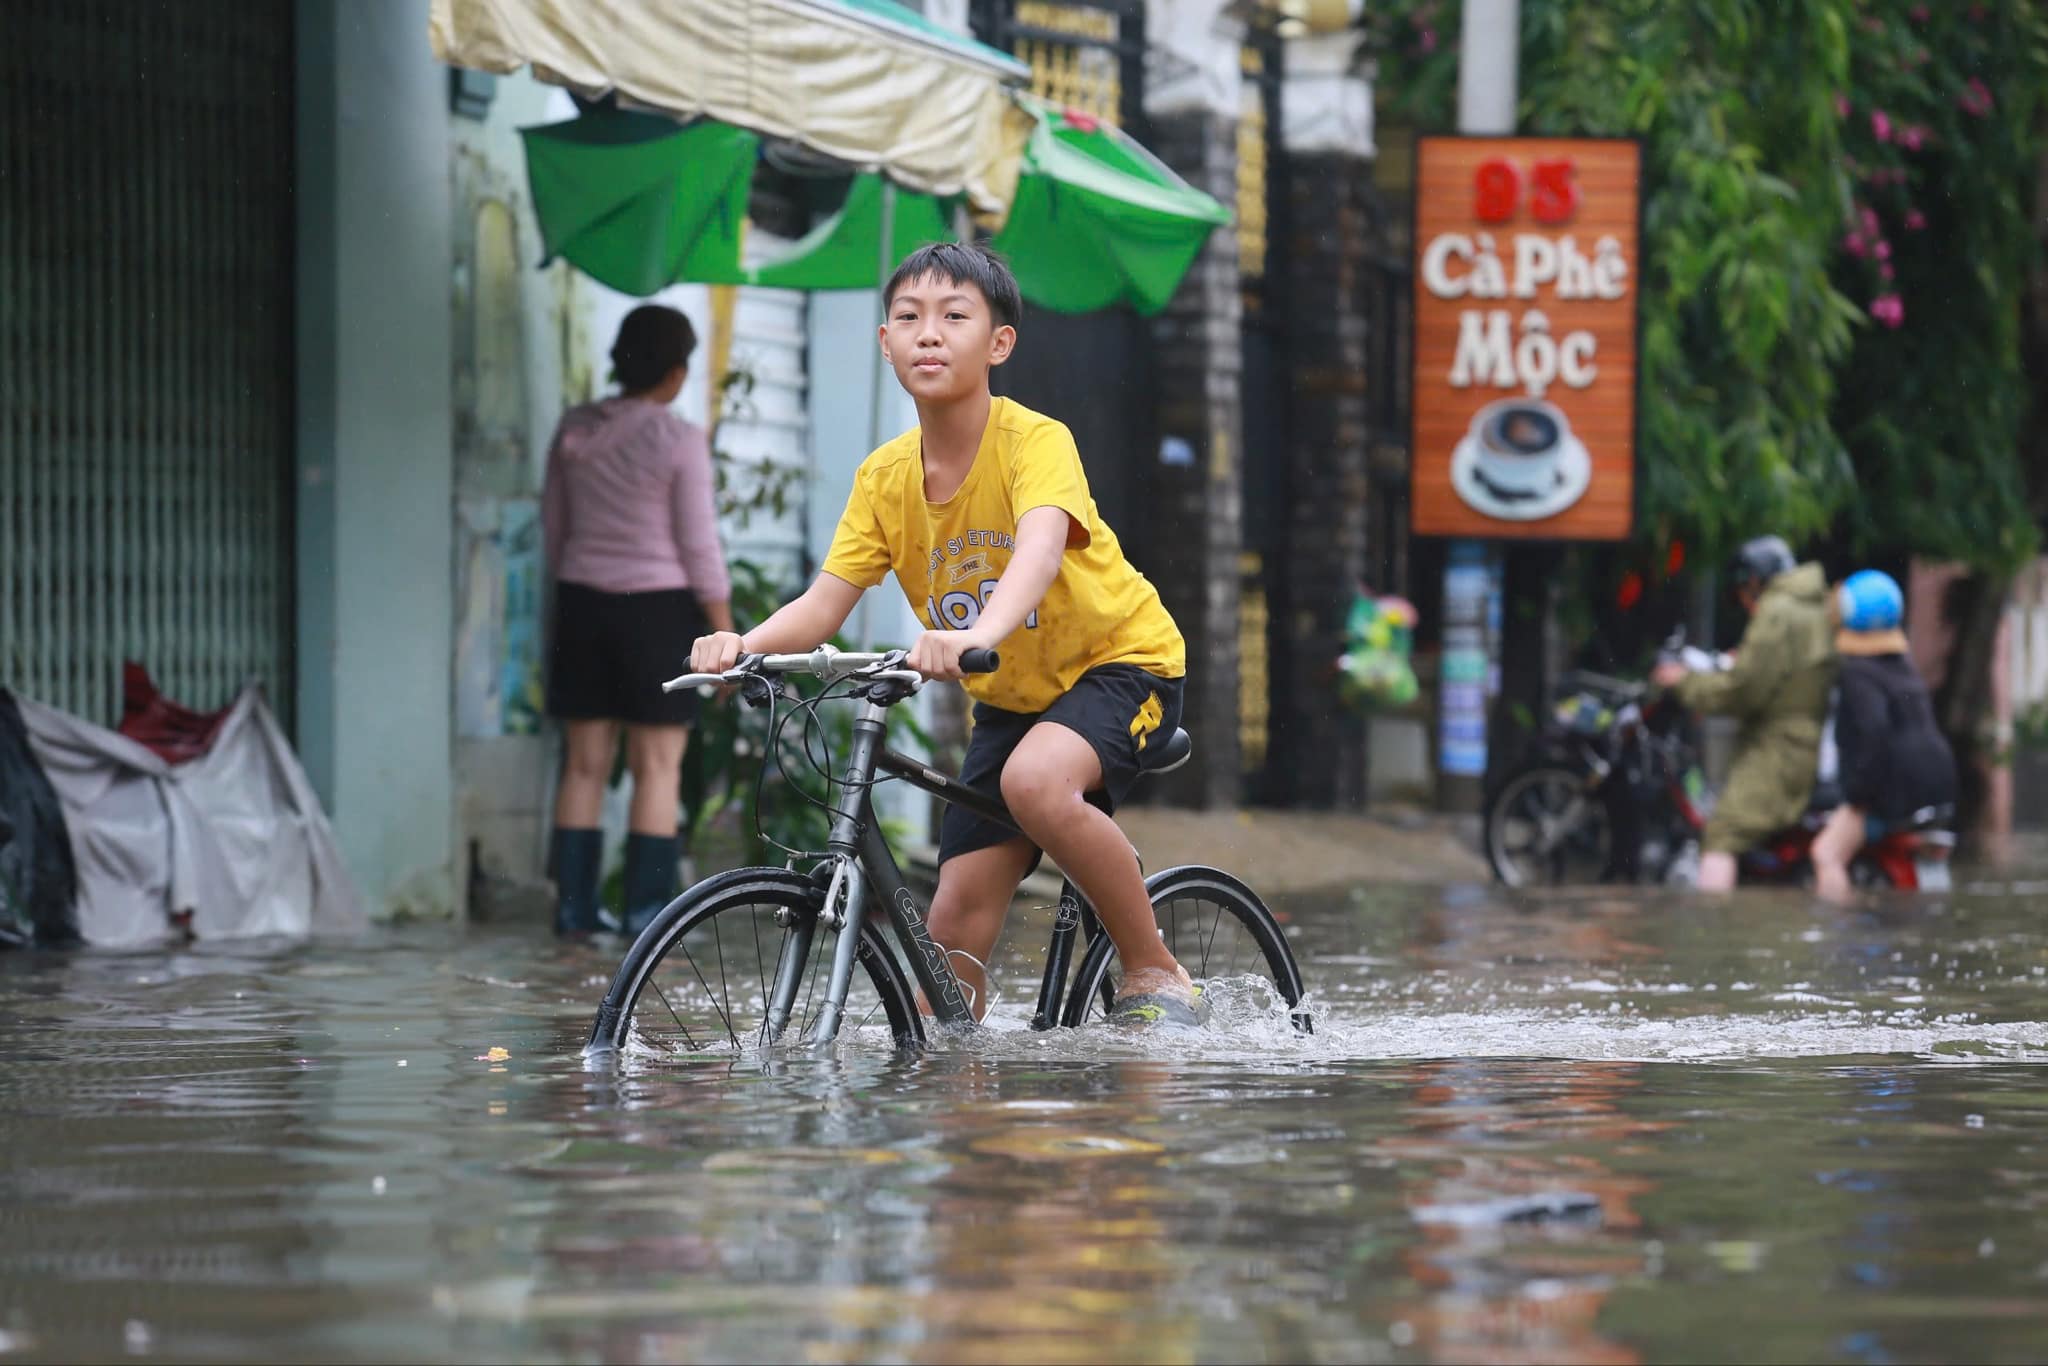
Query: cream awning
(866,81)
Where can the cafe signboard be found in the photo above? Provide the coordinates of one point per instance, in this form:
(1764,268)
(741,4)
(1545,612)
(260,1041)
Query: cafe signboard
(1526,278)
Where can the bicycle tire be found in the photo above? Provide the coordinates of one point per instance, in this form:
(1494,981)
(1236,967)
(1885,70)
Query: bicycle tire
(1169,889)
(741,891)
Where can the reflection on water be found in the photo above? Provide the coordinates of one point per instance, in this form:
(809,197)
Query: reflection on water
(1585,1128)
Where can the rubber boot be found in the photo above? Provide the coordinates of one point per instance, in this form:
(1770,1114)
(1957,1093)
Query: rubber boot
(650,877)
(577,858)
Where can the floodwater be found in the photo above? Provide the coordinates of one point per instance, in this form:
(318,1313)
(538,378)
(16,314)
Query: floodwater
(1583,1128)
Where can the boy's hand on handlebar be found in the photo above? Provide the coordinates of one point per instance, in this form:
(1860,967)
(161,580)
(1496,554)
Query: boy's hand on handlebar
(936,654)
(715,653)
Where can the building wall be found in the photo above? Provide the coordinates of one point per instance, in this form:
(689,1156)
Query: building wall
(375,466)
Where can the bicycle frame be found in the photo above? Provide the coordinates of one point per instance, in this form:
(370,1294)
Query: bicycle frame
(866,868)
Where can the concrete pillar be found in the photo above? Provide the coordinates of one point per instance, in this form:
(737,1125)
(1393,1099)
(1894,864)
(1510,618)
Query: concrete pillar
(375,464)
(1327,132)
(1197,525)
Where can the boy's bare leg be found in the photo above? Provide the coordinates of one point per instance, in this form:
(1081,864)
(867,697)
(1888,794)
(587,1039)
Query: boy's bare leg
(1045,784)
(968,909)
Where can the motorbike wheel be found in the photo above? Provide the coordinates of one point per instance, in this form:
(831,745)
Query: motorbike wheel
(1546,828)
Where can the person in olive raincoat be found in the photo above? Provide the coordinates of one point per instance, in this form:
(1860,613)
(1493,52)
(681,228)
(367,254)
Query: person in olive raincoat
(1778,689)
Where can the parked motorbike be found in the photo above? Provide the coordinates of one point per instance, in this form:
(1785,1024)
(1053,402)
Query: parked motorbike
(1613,790)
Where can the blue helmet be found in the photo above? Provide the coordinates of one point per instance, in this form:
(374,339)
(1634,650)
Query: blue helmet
(1871,601)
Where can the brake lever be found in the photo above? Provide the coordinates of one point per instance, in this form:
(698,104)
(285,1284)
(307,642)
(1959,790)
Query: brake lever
(766,695)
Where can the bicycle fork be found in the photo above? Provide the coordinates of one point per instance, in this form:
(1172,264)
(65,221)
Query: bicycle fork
(845,902)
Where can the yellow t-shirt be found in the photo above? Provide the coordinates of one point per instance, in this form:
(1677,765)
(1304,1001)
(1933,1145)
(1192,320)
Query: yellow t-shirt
(948,557)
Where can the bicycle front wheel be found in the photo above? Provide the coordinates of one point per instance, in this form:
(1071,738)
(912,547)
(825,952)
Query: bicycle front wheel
(699,978)
(1220,931)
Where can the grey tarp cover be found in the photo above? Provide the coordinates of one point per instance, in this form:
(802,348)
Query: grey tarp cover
(235,838)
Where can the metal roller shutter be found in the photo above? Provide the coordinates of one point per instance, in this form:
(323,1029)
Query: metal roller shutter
(146,373)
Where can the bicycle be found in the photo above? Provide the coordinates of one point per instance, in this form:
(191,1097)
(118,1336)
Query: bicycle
(857,891)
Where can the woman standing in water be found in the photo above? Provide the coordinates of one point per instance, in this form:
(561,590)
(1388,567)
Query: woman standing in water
(631,529)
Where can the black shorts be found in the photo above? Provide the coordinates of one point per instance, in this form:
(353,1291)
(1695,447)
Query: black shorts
(613,651)
(1117,708)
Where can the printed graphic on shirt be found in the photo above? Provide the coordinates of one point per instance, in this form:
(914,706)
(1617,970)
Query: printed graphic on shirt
(958,611)
(948,558)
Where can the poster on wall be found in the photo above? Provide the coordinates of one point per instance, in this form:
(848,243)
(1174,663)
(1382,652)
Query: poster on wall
(498,618)
(1524,384)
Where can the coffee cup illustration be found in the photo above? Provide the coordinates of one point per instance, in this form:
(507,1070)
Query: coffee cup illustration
(1520,461)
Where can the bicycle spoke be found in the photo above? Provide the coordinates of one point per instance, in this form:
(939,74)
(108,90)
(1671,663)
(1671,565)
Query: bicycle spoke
(674,1016)
(754,924)
(767,998)
(818,960)
(726,1017)
(1214,925)
(725,985)
(868,1018)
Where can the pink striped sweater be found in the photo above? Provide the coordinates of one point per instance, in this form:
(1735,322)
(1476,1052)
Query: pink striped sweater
(628,505)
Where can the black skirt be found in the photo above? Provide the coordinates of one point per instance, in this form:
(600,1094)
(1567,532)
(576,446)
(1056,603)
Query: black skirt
(613,651)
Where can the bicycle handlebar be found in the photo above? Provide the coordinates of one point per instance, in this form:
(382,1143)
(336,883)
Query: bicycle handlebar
(832,665)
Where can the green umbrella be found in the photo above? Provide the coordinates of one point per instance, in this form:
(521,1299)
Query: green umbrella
(638,201)
(1098,220)
(640,204)
(845,251)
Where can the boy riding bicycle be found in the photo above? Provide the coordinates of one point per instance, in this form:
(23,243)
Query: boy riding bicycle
(983,512)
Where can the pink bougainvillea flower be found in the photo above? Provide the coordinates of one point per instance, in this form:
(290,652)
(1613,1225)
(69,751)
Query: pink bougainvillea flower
(1976,98)
(1842,106)
(1880,125)
(1429,40)
(1855,245)
(1885,271)
(1919,14)
(1867,217)
(1882,251)
(1888,309)
(1915,220)
(1912,137)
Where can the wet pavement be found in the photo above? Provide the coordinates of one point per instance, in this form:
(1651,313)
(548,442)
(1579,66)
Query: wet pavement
(1580,1128)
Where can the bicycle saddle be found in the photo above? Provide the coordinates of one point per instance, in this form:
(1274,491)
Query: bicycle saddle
(1164,756)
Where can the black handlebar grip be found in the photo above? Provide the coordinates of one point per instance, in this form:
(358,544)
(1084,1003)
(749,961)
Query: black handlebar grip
(979,661)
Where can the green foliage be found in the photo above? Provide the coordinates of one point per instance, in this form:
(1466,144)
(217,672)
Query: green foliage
(2030,727)
(1941,135)
(744,485)
(1789,383)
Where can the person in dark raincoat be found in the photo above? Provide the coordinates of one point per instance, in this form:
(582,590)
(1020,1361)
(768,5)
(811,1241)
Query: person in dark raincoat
(1778,690)
(1896,767)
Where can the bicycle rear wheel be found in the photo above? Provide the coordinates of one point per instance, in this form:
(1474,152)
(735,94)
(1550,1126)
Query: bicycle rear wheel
(1219,930)
(698,979)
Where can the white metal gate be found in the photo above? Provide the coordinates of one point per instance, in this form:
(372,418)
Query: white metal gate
(146,372)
